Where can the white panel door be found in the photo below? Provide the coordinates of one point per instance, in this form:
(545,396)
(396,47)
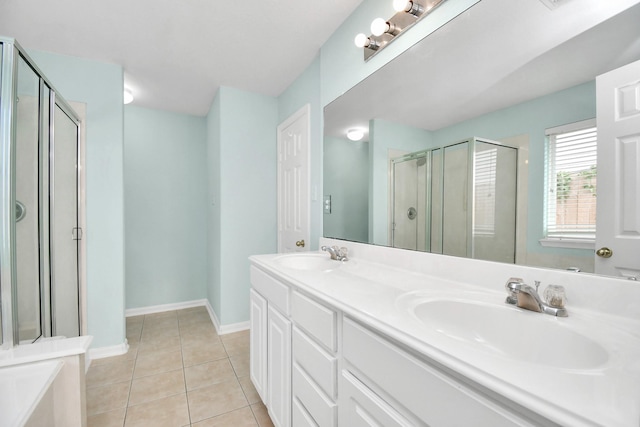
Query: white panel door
(293,182)
(618,214)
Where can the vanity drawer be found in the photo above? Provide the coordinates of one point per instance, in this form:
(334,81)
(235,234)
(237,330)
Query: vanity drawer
(316,362)
(429,394)
(278,294)
(319,407)
(360,407)
(316,319)
(300,417)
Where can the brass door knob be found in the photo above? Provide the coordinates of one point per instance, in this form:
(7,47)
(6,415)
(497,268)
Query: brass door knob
(604,252)
(300,243)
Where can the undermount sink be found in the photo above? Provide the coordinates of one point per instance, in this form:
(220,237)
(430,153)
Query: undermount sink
(510,332)
(308,261)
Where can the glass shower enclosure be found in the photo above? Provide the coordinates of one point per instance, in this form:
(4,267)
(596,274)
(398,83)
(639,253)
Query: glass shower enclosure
(456,200)
(39,233)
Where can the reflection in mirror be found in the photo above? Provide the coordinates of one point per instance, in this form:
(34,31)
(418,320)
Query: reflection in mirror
(495,72)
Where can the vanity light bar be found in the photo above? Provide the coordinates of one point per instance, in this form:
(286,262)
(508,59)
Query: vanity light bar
(384,32)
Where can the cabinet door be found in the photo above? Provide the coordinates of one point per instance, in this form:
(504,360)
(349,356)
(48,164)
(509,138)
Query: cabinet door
(279,368)
(258,343)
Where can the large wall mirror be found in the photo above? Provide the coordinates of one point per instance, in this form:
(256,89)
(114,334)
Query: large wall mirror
(484,89)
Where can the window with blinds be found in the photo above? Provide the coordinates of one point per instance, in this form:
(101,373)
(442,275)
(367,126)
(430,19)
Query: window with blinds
(571,181)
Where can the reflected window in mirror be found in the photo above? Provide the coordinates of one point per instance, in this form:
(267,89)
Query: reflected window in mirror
(571,168)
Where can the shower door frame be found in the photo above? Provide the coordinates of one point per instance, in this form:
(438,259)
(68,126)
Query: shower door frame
(11,52)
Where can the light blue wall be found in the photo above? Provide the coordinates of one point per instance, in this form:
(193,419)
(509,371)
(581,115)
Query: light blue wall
(243,191)
(306,90)
(343,64)
(99,85)
(214,225)
(531,118)
(165,207)
(383,136)
(349,189)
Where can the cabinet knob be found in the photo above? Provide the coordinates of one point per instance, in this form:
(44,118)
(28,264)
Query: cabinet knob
(300,243)
(604,252)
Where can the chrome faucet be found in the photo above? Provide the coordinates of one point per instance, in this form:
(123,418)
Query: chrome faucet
(525,296)
(339,254)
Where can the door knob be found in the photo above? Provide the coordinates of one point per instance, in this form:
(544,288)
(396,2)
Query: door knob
(300,243)
(604,252)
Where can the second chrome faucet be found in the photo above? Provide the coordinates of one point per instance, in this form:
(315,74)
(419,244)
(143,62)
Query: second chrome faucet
(525,296)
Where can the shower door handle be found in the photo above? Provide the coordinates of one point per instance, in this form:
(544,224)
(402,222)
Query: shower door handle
(76,233)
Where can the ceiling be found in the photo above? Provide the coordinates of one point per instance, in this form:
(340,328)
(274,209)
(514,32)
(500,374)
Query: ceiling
(496,54)
(177,54)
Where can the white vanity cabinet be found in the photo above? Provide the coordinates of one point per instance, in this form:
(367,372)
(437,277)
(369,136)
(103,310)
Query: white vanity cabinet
(315,362)
(270,344)
(383,384)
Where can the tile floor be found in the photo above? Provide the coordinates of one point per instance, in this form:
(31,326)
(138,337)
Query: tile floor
(178,373)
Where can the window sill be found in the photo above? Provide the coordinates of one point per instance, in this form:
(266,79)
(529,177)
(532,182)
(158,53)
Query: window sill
(568,243)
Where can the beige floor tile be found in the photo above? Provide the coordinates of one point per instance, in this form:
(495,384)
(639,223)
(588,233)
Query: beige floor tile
(237,343)
(134,320)
(191,310)
(134,332)
(159,333)
(157,363)
(208,374)
(170,411)
(240,364)
(155,387)
(160,315)
(200,339)
(109,373)
(239,418)
(196,355)
(261,414)
(197,328)
(249,390)
(160,345)
(194,317)
(107,419)
(160,323)
(107,398)
(215,400)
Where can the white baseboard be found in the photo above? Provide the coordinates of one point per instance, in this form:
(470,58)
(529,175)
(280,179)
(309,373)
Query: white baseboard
(164,307)
(102,352)
(220,329)
(225,329)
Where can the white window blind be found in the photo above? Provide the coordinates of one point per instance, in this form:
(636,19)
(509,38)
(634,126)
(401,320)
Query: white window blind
(485,191)
(571,181)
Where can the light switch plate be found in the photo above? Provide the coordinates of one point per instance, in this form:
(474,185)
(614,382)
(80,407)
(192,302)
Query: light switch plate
(326,204)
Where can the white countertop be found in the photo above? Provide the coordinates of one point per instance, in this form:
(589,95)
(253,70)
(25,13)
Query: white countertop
(22,387)
(44,350)
(378,295)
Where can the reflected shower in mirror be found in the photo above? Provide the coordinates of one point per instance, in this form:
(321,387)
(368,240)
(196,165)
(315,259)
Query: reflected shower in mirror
(495,72)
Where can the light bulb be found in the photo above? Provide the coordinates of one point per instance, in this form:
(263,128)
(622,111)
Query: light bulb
(128,96)
(379,26)
(361,40)
(355,134)
(401,5)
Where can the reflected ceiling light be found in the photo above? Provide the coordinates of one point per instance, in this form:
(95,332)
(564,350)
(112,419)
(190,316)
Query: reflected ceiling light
(128,96)
(362,40)
(380,26)
(355,134)
(412,7)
